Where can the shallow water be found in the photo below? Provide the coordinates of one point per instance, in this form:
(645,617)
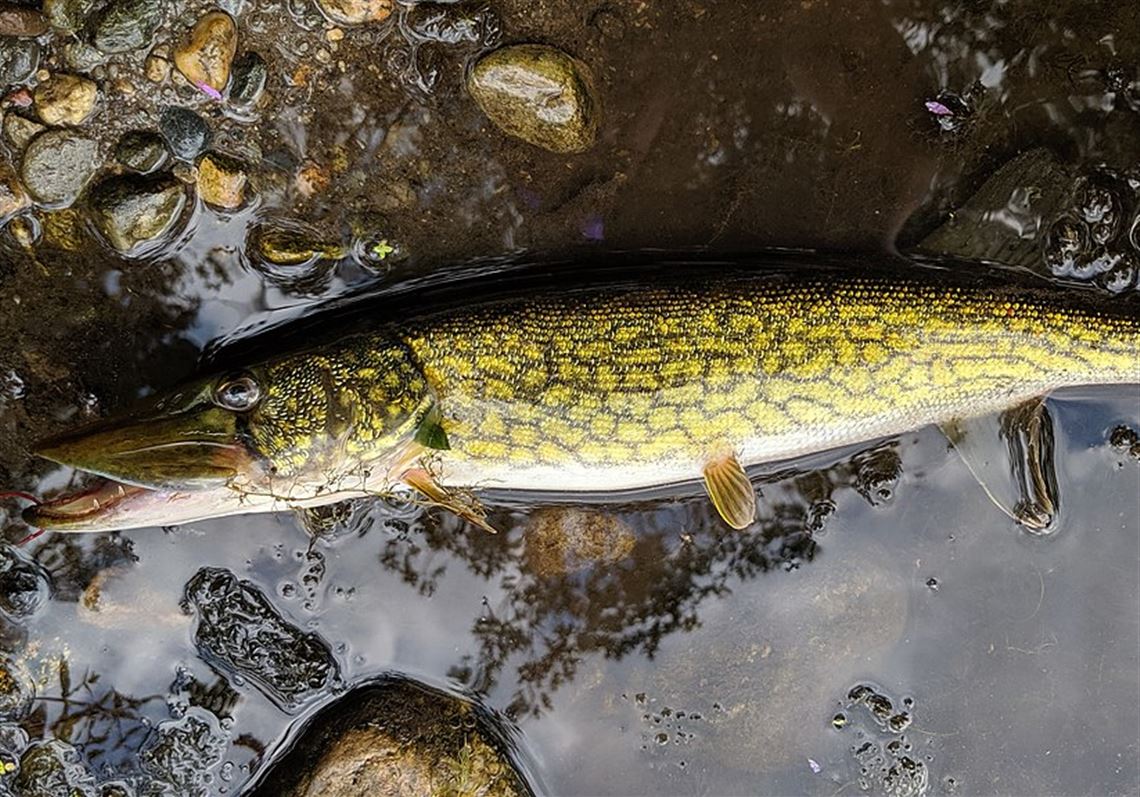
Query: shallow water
(690,659)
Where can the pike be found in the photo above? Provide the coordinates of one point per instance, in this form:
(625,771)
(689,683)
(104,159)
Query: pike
(604,387)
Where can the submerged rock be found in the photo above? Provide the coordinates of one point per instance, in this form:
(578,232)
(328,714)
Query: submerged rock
(356,12)
(125,25)
(562,540)
(16,689)
(204,58)
(181,752)
(241,633)
(66,99)
(248,78)
(57,165)
(186,133)
(539,94)
(19,58)
(13,198)
(132,211)
(222,181)
(141,151)
(24,585)
(52,768)
(396,737)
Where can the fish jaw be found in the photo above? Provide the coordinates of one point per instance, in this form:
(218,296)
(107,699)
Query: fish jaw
(114,506)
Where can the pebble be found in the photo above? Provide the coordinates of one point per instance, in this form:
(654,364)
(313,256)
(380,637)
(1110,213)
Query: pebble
(22,21)
(67,15)
(16,689)
(206,55)
(156,68)
(131,211)
(222,181)
(248,79)
(81,56)
(19,59)
(141,151)
(356,12)
(186,133)
(13,198)
(125,25)
(19,130)
(66,99)
(57,165)
(539,94)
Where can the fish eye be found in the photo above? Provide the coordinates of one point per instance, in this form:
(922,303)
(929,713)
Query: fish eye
(238,394)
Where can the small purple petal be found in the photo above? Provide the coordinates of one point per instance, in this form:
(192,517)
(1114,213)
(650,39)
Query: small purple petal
(938,109)
(816,768)
(208,90)
(594,229)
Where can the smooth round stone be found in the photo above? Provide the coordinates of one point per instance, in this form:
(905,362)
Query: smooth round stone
(131,211)
(539,94)
(222,181)
(141,151)
(19,130)
(18,20)
(206,55)
(247,79)
(186,133)
(57,165)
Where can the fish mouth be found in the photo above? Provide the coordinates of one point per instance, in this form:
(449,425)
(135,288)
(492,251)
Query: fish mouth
(201,448)
(159,465)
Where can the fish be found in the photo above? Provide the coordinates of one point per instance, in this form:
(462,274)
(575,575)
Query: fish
(684,376)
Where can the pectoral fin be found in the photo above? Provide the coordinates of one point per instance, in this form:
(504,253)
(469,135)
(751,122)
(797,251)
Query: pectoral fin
(464,505)
(730,490)
(1011,457)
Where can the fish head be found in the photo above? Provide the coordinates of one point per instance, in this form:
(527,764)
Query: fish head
(297,431)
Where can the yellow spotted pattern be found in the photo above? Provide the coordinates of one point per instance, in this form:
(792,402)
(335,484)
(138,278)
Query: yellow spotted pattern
(637,375)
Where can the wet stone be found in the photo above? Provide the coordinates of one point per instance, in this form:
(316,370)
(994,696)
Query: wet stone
(19,58)
(19,130)
(204,58)
(186,133)
(57,165)
(141,151)
(222,181)
(18,20)
(66,99)
(356,12)
(181,752)
(247,79)
(395,737)
(81,56)
(132,211)
(52,768)
(539,94)
(13,198)
(125,25)
(240,632)
(16,689)
(24,585)
(67,15)
(292,256)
